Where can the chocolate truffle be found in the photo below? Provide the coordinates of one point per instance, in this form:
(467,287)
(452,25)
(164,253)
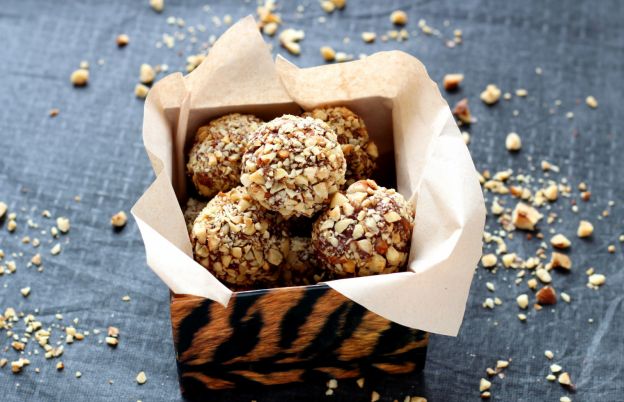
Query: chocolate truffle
(192,209)
(359,151)
(215,158)
(301,266)
(241,243)
(293,165)
(366,231)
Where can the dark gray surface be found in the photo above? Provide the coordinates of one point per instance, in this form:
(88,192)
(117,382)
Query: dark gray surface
(94,149)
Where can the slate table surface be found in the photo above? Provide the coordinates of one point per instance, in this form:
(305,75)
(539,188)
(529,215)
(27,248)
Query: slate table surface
(93,149)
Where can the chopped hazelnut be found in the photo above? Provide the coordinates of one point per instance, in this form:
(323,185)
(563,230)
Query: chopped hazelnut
(555,368)
(489,260)
(3,209)
(80,77)
(141,91)
(369,37)
(452,81)
(119,219)
(289,39)
(585,229)
(484,385)
(597,279)
(513,142)
(122,40)
(591,102)
(141,378)
(543,275)
(157,5)
(564,379)
(63,224)
(546,296)
(559,260)
(462,112)
(398,17)
(560,241)
(523,301)
(525,216)
(549,354)
(328,53)
(491,94)
(146,74)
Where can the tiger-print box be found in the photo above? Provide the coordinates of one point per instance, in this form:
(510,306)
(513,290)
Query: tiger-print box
(286,335)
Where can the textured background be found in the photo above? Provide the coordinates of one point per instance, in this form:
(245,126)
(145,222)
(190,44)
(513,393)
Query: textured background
(94,149)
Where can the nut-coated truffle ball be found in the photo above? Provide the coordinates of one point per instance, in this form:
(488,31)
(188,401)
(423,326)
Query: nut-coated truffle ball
(359,151)
(367,230)
(215,158)
(241,243)
(293,165)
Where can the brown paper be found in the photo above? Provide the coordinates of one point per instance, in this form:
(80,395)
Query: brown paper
(406,116)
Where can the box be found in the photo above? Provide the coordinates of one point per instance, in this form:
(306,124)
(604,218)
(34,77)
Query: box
(286,335)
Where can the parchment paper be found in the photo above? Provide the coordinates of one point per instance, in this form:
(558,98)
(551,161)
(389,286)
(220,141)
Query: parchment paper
(406,116)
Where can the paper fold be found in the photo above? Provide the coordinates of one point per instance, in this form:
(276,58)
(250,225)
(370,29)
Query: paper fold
(406,116)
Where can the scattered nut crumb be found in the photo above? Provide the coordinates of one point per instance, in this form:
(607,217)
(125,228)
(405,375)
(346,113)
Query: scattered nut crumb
(484,385)
(141,378)
(585,229)
(119,219)
(25,291)
(122,40)
(452,81)
(546,296)
(63,224)
(369,37)
(549,354)
(523,301)
(513,142)
(157,5)
(597,279)
(289,39)
(525,216)
(328,53)
(141,91)
(375,396)
(491,94)
(398,17)
(591,102)
(462,112)
(146,74)
(489,260)
(80,77)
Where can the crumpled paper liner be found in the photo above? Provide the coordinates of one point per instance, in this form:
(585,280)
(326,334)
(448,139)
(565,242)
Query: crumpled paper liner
(406,116)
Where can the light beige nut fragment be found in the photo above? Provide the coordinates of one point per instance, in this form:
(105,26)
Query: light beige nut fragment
(360,382)
(63,224)
(36,260)
(119,219)
(597,279)
(591,102)
(147,74)
(565,399)
(555,368)
(523,301)
(543,275)
(549,354)
(551,377)
(289,39)
(398,17)
(489,260)
(122,40)
(551,192)
(525,216)
(3,209)
(491,94)
(565,297)
(560,241)
(25,291)
(564,379)
(560,260)
(375,396)
(546,296)
(60,366)
(452,81)
(585,229)
(157,5)
(56,249)
(270,28)
(328,53)
(141,91)
(522,317)
(141,378)
(486,395)
(513,142)
(328,6)
(340,4)
(369,37)
(80,77)
(484,385)
(12,225)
